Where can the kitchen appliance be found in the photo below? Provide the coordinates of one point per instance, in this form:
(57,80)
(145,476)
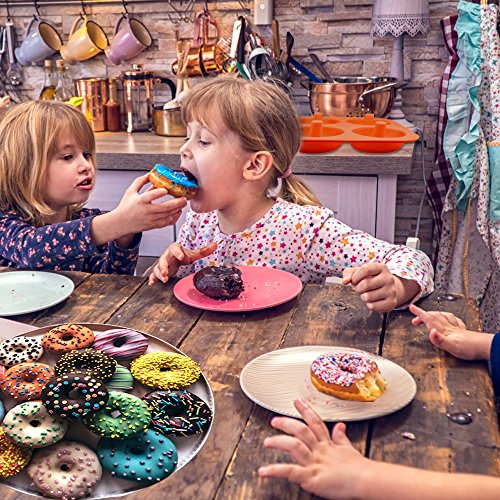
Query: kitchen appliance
(95,95)
(353,96)
(138,94)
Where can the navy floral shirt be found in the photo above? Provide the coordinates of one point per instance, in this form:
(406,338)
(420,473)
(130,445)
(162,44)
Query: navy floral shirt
(65,246)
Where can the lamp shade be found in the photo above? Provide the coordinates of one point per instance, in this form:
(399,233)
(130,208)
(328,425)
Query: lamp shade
(397,17)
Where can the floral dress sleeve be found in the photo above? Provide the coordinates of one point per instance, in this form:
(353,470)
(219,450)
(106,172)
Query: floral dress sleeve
(336,246)
(62,246)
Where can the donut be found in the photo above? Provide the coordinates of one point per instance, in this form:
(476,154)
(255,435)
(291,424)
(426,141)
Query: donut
(219,282)
(25,381)
(165,370)
(121,380)
(90,361)
(146,458)
(13,458)
(177,413)
(123,416)
(64,338)
(121,343)
(20,350)
(178,184)
(30,424)
(74,395)
(347,376)
(65,470)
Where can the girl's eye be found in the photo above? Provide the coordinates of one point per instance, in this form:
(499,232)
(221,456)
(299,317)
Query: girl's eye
(67,157)
(203,143)
(87,156)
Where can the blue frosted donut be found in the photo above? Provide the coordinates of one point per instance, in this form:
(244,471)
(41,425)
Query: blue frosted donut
(176,183)
(146,458)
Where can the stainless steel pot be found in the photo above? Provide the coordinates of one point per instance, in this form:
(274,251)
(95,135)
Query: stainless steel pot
(353,96)
(168,122)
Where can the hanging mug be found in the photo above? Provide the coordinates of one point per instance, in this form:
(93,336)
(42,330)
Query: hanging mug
(129,41)
(85,42)
(41,41)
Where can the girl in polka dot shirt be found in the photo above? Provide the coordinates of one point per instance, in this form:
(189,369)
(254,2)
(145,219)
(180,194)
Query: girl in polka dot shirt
(251,210)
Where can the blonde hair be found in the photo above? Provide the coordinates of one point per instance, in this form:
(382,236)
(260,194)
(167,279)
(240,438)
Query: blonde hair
(30,135)
(263,117)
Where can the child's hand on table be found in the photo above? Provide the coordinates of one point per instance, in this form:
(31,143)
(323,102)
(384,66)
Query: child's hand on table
(449,333)
(375,284)
(325,466)
(174,257)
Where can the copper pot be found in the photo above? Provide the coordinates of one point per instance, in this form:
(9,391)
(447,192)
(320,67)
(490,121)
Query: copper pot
(168,122)
(193,64)
(95,94)
(353,96)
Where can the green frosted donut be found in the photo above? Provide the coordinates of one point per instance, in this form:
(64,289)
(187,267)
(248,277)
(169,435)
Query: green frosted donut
(123,416)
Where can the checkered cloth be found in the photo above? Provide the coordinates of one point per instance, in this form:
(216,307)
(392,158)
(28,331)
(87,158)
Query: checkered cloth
(440,178)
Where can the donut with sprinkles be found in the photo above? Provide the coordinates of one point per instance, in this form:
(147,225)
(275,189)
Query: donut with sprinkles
(67,337)
(90,361)
(165,370)
(177,413)
(13,458)
(20,350)
(26,381)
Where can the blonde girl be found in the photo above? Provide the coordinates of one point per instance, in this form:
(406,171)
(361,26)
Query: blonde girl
(252,210)
(47,172)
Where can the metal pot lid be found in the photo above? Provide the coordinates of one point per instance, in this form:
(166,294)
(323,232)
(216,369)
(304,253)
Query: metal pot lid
(137,73)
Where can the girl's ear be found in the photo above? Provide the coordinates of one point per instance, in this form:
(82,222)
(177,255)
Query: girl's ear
(259,166)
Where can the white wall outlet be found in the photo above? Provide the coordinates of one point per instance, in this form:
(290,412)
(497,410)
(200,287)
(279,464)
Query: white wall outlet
(413,243)
(263,12)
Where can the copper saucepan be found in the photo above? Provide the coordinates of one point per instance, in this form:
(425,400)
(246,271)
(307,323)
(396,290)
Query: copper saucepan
(353,96)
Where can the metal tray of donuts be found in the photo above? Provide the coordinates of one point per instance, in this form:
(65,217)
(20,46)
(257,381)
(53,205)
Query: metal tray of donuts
(109,486)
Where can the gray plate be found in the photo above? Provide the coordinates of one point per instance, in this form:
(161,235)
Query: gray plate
(23,292)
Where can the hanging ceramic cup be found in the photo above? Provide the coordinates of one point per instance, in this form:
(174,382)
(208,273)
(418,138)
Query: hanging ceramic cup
(85,42)
(129,40)
(41,41)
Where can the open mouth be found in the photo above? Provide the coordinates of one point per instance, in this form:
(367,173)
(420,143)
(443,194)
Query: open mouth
(189,175)
(86,182)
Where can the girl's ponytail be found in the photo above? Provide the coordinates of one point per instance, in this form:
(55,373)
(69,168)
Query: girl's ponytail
(295,190)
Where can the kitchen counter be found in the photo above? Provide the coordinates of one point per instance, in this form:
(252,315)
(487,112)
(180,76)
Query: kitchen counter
(142,150)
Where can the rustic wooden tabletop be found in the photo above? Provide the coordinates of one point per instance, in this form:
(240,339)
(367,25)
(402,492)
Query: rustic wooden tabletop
(223,343)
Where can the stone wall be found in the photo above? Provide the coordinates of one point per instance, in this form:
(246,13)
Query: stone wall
(337,30)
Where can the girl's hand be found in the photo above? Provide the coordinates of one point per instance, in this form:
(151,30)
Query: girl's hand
(375,284)
(325,466)
(139,212)
(174,257)
(448,332)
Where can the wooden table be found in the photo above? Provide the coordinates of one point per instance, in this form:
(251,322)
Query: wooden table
(223,344)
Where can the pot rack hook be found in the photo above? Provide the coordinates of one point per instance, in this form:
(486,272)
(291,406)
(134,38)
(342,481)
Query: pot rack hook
(83,8)
(37,12)
(125,10)
(7,6)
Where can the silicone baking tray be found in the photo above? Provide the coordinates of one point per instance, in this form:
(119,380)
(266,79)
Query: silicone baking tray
(323,134)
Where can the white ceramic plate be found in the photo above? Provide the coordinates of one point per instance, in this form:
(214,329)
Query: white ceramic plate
(23,292)
(274,380)
(187,447)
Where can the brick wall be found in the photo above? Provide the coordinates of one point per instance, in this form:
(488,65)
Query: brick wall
(337,30)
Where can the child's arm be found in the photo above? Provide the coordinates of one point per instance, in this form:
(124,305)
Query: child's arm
(381,290)
(174,257)
(136,212)
(330,467)
(448,332)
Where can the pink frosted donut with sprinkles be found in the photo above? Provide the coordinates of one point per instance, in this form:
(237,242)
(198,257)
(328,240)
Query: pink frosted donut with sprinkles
(347,376)
(66,470)
(120,343)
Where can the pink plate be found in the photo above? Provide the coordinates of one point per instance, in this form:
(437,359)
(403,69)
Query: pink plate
(264,287)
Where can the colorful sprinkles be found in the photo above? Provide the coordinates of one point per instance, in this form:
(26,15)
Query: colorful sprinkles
(342,369)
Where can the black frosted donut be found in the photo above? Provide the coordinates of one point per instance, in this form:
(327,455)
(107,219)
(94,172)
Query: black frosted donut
(91,361)
(74,395)
(177,413)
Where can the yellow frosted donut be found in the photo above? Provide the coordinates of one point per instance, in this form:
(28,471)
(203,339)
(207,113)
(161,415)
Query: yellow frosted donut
(13,458)
(165,370)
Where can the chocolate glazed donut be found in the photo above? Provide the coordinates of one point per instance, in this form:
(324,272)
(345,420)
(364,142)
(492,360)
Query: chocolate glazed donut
(219,282)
